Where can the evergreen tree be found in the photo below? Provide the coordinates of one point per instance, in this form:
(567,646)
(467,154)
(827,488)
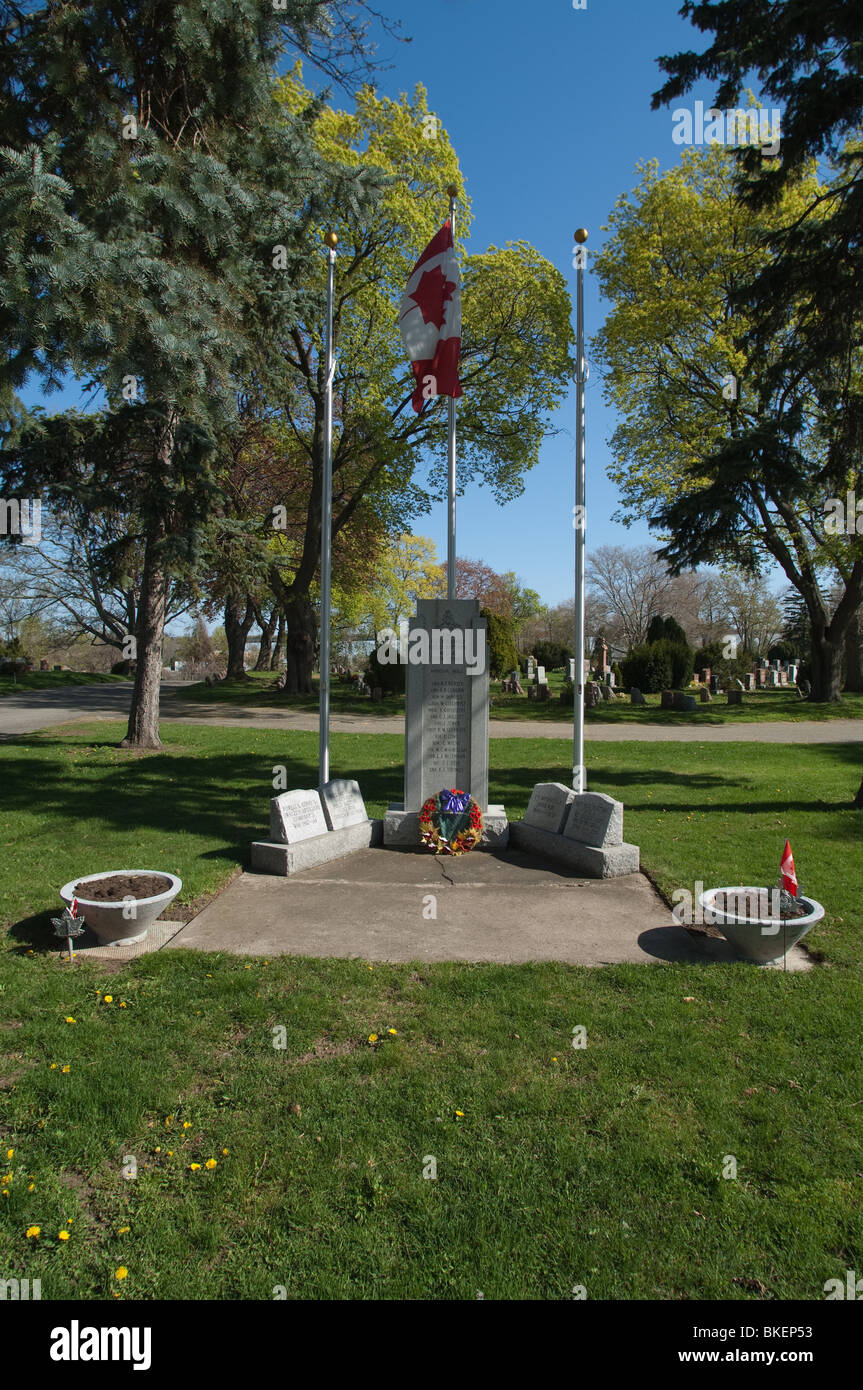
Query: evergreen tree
(144,188)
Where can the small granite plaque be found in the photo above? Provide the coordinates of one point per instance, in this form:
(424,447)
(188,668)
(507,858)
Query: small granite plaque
(595,819)
(296,816)
(343,804)
(548,805)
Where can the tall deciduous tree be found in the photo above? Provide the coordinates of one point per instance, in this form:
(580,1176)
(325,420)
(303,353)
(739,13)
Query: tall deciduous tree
(731,451)
(515,351)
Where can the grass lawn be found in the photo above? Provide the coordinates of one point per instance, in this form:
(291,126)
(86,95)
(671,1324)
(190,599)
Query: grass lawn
(53,680)
(600,1166)
(259,693)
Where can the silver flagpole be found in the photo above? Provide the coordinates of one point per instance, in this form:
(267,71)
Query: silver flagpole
(331,241)
(579,775)
(450,547)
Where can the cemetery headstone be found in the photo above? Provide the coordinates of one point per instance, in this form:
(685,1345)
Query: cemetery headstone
(636,697)
(342,803)
(704,695)
(682,701)
(595,819)
(666,699)
(735,697)
(548,806)
(295,816)
(540,675)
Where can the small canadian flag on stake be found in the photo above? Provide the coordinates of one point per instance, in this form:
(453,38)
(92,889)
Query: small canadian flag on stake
(787,870)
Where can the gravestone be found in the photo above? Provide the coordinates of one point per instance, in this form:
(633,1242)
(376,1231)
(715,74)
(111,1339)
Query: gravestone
(666,699)
(446,718)
(704,695)
(739,685)
(531,668)
(548,806)
(540,675)
(636,697)
(595,819)
(681,701)
(591,694)
(750,681)
(296,816)
(607,692)
(735,697)
(342,803)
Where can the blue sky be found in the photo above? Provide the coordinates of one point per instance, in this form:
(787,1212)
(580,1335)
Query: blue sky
(548,109)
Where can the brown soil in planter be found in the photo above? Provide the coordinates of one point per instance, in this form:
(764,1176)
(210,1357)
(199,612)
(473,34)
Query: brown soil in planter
(739,904)
(120,886)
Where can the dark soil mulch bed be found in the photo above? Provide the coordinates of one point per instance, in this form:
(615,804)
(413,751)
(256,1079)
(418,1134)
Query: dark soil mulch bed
(120,886)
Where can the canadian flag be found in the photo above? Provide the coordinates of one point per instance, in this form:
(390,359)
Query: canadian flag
(430,320)
(787,870)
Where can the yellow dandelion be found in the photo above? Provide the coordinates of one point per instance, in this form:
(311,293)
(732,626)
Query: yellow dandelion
(7,1177)
(70,1019)
(62,1235)
(108,999)
(210,1163)
(65,1069)
(123,1004)
(33,1232)
(5,1192)
(170,1153)
(121,1273)
(53,1066)
(187,1124)
(373,1037)
(194,1167)
(224,1151)
(393,1031)
(124,1230)
(158,1149)
(10,1153)
(460,1114)
(32,1187)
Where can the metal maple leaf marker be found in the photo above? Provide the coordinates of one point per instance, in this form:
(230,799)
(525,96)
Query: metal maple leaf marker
(69,925)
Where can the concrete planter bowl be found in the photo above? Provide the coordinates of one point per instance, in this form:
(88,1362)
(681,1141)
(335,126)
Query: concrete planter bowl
(760,938)
(107,920)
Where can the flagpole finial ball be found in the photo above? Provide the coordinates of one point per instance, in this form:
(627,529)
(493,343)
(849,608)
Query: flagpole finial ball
(331,240)
(581,235)
(452,191)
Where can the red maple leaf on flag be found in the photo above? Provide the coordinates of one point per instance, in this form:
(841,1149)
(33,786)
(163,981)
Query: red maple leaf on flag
(431,294)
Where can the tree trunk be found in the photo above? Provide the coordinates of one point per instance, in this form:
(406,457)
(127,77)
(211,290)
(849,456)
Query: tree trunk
(143,729)
(300,647)
(239,616)
(853,655)
(277,660)
(267,630)
(826,663)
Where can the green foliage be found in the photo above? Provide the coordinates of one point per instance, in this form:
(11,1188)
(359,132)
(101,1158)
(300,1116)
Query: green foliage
(500,644)
(552,655)
(390,676)
(659,628)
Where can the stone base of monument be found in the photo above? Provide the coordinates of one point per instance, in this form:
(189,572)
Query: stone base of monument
(612,861)
(402,829)
(584,832)
(271,857)
(308,828)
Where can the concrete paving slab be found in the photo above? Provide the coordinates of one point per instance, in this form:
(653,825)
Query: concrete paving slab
(89,947)
(490,907)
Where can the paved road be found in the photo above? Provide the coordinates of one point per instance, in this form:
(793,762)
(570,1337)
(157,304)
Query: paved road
(42,709)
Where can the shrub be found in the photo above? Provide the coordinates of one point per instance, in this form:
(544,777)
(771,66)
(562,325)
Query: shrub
(500,645)
(551,655)
(389,676)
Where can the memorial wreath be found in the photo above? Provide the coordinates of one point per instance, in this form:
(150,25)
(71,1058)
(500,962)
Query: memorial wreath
(451,823)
